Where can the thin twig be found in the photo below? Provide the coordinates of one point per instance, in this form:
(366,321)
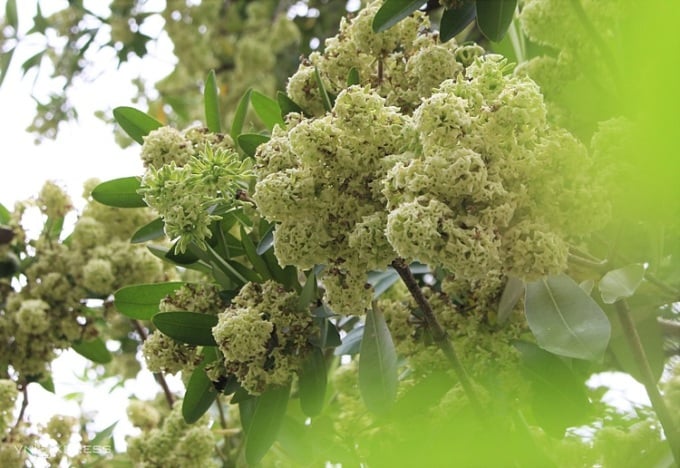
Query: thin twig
(223,423)
(658,403)
(439,335)
(160,379)
(22,410)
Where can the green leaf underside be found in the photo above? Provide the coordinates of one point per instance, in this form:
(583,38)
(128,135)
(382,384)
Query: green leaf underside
(308,293)
(261,418)
(151,231)
(136,123)
(250,141)
(378,364)
(94,350)
(494,17)
(240,116)
(621,283)
(393,11)
(201,392)
(267,110)
(312,383)
(351,343)
(513,291)
(565,320)
(141,301)
(119,193)
(192,328)
(212,103)
(454,20)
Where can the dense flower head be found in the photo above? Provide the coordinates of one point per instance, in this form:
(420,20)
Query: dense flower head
(263,336)
(186,190)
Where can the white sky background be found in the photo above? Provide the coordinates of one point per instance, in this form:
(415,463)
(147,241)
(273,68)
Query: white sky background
(86,149)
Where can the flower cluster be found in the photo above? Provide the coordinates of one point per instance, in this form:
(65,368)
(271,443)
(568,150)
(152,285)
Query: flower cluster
(263,336)
(188,176)
(173,443)
(164,354)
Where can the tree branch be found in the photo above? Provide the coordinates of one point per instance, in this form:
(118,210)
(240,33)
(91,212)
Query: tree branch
(160,379)
(22,410)
(439,335)
(658,403)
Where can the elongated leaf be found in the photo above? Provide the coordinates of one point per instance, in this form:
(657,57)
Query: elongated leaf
(513,291)
(312,384)
(353,77)
(32,61)
(559,397)
(151,231)
(494,17)
(261,418)
(382,281)
(5,60)
(393,11)
(287,105)
(11,15)
(309,291)
(201,392)
(47,383)
(119,193)
(136,123)
(188,327)
(351,343)
(94,350)
(240,116)
(266,242)
(454,20)
(103,436)
(141,301)
(211,103)
(267,110)
(327,103)
(259,265)
(378,364)
(621,283)
(565,320)
(5,215)
(250,141)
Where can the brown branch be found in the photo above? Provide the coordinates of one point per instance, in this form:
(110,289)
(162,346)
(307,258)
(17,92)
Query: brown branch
(22,410)
(658,403)
(439,335)
(160,379)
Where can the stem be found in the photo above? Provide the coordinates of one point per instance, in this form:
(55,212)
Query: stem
(223,423)
(659,405)
(160,379)
(22,410)
(439,335)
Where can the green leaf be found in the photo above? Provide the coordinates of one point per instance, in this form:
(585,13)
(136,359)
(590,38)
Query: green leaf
(119,193)
(267,110)
(211,103)
(266,242)
(559,396)
(32,61)
(53,227)
(103,436)
(141,301)
(353,77)
(378,364)
(259,265)
(621,283)
(11,15)
(5,215)
(327,104)
(513,291)
(565,320)
(153,230)
(192,328)
(287,105)
(329,337)
(351,343)
(136,123)
(454,20)
(494,17)
(240,116)
(94,350)
(312,383)
(261,418)
(309,291)
(201,392)
(250,141)
(393,11)
(5,60)
(382,281)
(47,383)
